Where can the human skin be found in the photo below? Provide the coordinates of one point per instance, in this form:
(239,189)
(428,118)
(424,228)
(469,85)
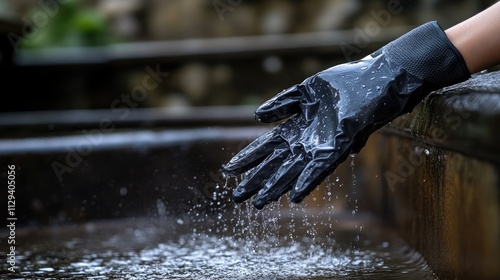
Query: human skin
(477,39)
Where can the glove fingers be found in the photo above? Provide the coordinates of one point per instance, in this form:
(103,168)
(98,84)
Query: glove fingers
(280,182)
(313,174)
(253,154)
(283,105)
(255,180)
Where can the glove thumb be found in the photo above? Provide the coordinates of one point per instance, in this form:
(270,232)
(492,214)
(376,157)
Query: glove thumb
(283,105)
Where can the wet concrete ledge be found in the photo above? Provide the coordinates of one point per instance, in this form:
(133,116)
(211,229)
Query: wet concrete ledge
(434,175)
(463,117)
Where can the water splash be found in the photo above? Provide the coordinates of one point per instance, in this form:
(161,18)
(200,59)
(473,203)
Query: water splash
(218,239)
(163,249)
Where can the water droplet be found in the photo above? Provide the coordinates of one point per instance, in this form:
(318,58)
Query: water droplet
(123,191)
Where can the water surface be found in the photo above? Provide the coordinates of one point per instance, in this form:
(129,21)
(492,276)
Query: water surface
(274,244)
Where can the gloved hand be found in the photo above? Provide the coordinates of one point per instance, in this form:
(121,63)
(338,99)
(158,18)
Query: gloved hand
(331,114)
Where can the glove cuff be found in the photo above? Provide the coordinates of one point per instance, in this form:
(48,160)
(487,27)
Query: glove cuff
(427,53)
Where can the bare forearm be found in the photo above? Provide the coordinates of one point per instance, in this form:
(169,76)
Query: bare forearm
(478,39)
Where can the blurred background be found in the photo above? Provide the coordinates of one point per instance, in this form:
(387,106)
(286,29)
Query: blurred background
(72,54)
(114,108)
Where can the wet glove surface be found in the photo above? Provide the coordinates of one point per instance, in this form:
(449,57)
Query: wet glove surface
(331,114)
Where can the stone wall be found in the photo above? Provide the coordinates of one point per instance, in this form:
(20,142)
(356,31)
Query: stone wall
(434,175)
(177,19)
(225,79)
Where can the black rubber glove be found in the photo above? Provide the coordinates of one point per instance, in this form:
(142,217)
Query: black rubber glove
(333,112)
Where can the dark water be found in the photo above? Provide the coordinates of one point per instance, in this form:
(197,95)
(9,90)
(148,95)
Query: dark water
(272,244)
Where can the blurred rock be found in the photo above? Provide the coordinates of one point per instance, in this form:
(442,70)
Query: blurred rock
(177,19)
(221,74)
(334,14)
(194,80)
(327,15)
(242,21)
(175,100)
(126,27)
(116,8)
(121,15)
(276,17)
(272,64)
(380,7)
(21,7)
